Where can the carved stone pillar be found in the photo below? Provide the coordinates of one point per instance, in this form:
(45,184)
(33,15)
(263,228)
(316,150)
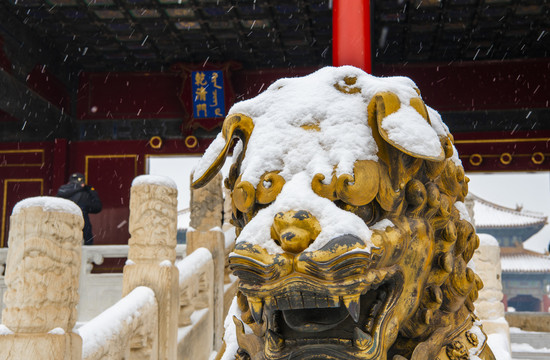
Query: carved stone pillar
(152,252)
(489,306)
(206,221)
(227,210)
(206,205)
(42,272)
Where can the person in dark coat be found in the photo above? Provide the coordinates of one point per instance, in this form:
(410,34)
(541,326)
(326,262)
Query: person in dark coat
(86,198)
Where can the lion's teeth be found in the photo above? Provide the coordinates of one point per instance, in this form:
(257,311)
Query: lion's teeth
(256,308)
(382,275)
(372,314)
(310,300)
(361,339)
(352,305)
(270,302)
(333,301)
(296,301)
(274,340)
(283,303)
(321,301)
(371,276)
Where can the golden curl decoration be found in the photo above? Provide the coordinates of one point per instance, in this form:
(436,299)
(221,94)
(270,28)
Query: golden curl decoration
(420,107)
(267,194)
(324,190)
(234,125)
(348,88)
(358,189)
(361,188)
(244,195)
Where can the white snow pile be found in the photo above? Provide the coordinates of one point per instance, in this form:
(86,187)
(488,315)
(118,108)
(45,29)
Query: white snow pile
(57,331)
(190,264)
(104,327)
(48,203)
(165,263)
(498,342)
(476,330)
(487,240)
(154,180)
(462,211)
(4,330)
(306,126)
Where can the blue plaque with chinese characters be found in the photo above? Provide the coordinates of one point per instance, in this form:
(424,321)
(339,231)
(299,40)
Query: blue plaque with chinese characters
(207,93)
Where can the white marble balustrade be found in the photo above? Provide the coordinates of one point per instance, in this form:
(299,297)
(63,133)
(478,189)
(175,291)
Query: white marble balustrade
(97,291)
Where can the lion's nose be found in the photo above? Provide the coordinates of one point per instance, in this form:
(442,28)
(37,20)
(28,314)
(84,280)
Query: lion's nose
(295,230)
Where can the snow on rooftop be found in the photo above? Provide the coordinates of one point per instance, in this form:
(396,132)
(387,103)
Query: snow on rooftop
(48,203)
(490,215)
(154,180)
(521,260)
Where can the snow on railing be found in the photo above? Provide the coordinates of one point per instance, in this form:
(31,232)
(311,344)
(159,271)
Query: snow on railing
(195,284)
(168,311)
(126,330)
(98,291)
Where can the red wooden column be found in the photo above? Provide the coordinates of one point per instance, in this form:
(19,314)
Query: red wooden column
(351,44)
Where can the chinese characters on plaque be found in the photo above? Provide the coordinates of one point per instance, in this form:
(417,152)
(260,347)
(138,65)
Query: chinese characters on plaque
(208,95)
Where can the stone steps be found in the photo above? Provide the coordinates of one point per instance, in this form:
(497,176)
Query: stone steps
(537,340)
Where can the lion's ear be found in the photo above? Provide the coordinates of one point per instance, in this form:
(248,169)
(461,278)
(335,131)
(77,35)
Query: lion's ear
(235,125)
(408,129)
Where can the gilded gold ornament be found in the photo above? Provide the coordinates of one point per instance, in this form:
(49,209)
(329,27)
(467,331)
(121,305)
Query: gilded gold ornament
(360,188)
(235,125)
(269,187)
(400,286)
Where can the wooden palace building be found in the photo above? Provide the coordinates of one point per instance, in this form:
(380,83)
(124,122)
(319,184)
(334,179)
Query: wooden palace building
(525,273)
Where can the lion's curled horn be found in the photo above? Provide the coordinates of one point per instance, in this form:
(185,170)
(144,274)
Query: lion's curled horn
(353,238)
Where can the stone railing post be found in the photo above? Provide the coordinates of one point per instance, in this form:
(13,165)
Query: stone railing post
(152,252)
(42,270)
(206,221)
(489,306)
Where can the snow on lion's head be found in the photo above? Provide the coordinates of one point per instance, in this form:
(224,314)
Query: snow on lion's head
(353,238)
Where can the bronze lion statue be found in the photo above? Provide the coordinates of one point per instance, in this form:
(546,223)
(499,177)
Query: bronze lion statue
(353,240)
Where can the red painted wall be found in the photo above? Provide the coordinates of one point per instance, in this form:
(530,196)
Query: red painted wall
(128,96)
(43,82)
(35,169)
(25,171)
(490,151)
(466,86)
(480,85)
